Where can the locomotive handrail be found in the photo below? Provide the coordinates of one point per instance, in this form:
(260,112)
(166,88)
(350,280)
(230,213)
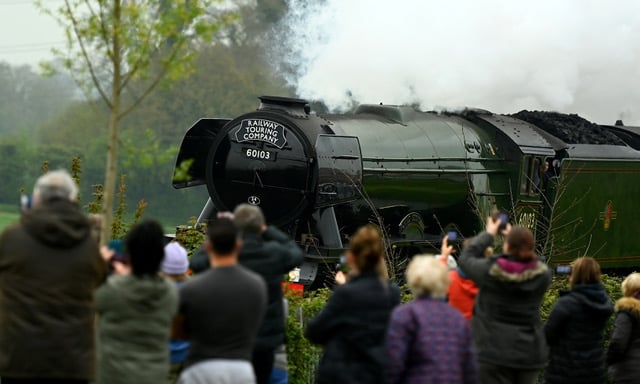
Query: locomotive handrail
(410,159)
(432,170)
(492,194)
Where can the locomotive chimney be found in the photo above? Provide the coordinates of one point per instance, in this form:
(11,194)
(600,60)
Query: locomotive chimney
(619,123)
(291,106)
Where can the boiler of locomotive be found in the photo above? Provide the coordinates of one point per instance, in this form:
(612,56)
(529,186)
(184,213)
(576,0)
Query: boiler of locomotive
(279,158)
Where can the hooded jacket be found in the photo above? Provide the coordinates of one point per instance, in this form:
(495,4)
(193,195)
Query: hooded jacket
(575,335)
(134,321)
(49,268)
(623,354)
(506,324)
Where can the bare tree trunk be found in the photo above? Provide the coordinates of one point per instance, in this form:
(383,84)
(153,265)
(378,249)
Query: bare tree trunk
(114,126)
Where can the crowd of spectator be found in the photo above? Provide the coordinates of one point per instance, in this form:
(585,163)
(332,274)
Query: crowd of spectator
(72,312)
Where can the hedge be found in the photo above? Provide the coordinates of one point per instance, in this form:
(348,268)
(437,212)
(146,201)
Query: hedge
(303,357)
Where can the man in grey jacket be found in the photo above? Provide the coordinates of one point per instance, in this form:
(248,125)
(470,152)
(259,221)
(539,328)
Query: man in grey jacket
(220,312)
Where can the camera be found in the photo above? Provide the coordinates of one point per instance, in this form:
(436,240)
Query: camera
(563,269)
(342,264)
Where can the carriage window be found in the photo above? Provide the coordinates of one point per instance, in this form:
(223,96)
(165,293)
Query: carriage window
(532,170)
(525,180)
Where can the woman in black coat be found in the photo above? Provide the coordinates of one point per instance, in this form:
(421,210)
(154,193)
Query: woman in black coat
(575,328)
(352,326)
(623,354)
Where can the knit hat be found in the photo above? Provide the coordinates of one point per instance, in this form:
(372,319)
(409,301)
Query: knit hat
(175,260)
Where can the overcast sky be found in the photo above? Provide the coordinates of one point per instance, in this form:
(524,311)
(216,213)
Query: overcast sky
(26,36)
(572,56)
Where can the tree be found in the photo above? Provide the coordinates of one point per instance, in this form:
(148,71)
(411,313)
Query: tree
(114,44)
(27,99)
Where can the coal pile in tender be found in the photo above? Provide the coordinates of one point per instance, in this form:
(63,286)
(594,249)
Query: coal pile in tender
(572,129)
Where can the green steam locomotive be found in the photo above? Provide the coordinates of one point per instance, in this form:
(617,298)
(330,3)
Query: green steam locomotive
(418,175)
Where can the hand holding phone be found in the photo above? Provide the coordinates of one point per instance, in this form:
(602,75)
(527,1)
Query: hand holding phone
(445,248)
(116,249)
(504,220)
(498,223)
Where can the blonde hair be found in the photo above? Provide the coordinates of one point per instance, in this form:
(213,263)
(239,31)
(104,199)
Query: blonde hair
(427,276)
(631,284)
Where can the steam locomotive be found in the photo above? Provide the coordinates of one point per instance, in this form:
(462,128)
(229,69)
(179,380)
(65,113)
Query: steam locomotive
(419,175)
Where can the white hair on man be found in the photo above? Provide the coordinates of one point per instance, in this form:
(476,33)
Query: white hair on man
(427,276)
(55,185)
(248,218)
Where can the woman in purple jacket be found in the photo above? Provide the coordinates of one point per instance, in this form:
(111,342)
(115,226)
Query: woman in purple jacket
(428,341)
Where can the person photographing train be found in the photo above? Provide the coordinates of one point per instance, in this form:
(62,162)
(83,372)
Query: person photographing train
(270,253)
(352,325)
(506,325)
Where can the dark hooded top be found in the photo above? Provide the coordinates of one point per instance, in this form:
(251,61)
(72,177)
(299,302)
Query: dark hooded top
(623,354)
(506,324)
(49,267)
(271,255)
(575,334)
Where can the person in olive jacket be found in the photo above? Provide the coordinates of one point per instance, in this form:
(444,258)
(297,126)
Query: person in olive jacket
(575,328)
(135,308)
(623,354)
(49,267)
(352,326)
(506,325)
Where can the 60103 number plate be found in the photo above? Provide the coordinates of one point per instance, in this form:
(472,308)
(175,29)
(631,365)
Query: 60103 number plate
(259,154)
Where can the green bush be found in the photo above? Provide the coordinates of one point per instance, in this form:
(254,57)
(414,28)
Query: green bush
(303,356)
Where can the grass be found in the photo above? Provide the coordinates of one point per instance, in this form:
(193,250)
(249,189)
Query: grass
(7,218)
(9,214)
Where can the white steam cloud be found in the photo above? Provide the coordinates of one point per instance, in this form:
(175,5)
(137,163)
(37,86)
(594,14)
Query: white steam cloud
(571,56)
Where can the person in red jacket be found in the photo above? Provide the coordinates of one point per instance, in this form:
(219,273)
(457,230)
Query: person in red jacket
(462,292)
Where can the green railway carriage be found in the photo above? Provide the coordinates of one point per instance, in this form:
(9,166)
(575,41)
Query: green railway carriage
(417,175)
(596,208)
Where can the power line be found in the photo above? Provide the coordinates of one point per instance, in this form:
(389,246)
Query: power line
(29,47)
(26,45)
(30,3)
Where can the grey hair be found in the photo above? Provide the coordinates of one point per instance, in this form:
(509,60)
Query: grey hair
(427,275)
(631,284)
(248,218)
(55,184)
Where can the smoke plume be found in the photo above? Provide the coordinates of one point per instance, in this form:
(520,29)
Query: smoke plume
(571,56)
